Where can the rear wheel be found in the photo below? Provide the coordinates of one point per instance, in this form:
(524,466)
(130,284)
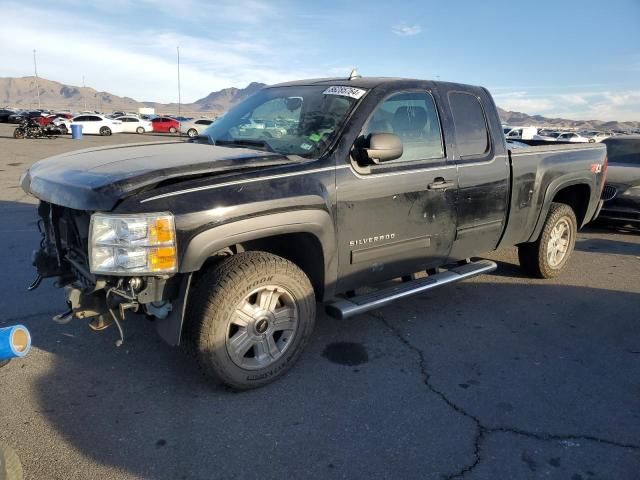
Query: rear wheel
(172,130)
(140,130)
(192,132)
(105,131)
(249,317)
(548,256)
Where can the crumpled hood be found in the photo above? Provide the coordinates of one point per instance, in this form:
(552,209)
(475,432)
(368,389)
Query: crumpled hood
(97,178)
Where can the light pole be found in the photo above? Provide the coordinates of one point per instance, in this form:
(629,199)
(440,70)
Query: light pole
(84,94)
(35,69)
(179,94)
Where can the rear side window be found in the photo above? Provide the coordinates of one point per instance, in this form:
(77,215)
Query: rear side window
(472,136)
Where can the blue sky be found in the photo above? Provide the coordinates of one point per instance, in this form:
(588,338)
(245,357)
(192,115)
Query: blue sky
(576,59)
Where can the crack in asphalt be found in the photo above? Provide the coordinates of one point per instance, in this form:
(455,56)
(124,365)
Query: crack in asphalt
(482,430)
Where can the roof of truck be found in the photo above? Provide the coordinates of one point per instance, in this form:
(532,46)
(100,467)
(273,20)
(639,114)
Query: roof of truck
(363,82)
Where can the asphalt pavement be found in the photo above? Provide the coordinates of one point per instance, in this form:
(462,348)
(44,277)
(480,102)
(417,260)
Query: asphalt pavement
(498,377)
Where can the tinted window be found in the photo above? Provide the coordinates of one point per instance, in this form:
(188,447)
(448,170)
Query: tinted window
(80,119)
(413,118)
(472,136)
(623,150)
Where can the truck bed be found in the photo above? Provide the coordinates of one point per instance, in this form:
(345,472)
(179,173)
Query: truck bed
(535,172)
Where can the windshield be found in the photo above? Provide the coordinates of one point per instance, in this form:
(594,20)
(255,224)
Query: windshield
(301,120)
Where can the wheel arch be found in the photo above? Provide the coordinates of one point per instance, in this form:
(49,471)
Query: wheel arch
(305,237)
(576,194)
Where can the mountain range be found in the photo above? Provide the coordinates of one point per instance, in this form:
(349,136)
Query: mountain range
(20,92)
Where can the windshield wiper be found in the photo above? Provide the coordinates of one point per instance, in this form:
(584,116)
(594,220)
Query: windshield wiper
(259,144)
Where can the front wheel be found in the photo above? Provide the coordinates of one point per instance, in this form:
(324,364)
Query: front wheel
(548,256)
(105,131)
(172,130)
(140,130)
(18,133)
(192,132)
(249,318)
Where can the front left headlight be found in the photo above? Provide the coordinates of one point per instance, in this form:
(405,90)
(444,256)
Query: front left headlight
(132,244)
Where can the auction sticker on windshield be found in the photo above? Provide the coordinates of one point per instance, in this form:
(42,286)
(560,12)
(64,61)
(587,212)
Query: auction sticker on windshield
(343,91)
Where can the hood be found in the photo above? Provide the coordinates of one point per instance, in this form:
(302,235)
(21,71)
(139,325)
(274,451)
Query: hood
(96,179)
(623,174)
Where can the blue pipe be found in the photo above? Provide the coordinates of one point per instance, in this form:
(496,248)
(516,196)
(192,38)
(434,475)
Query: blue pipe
(14,342)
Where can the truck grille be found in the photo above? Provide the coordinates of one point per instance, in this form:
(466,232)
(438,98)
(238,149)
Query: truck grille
(66,234)
(608,192)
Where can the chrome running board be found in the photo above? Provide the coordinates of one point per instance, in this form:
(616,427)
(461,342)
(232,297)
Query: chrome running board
(342,308)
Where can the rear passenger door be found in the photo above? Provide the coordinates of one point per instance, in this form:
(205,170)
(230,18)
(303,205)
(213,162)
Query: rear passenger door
(397,217)
(483,174)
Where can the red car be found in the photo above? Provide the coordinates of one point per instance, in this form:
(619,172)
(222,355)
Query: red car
(47,119)
(165,125)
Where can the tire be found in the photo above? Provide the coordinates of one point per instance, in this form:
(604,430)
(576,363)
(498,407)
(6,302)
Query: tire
(192,132)
(548,256)
(140,130)
(233,302)
(172,130)
(105,131)
(18,133)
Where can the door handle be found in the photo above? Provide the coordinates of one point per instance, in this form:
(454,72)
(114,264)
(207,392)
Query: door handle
(440,183)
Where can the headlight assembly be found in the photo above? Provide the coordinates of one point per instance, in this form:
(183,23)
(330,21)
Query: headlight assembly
(132,244)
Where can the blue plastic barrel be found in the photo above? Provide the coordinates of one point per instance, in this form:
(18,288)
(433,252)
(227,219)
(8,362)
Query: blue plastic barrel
(14,342)
(76,132)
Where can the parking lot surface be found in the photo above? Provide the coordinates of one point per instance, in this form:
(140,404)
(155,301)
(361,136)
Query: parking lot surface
(498,377)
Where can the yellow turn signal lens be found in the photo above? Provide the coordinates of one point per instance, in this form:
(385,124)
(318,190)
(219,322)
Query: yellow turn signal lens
(163,259)
(161,231)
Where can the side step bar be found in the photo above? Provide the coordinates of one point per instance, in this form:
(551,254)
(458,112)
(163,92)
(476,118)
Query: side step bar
(348,307)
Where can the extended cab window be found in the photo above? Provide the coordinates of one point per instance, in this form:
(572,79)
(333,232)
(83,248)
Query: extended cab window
(412,116)
(472,136)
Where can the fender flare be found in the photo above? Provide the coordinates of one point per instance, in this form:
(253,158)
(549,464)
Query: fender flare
(551,192)
(316,222)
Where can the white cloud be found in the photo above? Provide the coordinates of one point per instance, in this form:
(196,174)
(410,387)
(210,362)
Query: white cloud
(142,64)
(405,30)
(588,105)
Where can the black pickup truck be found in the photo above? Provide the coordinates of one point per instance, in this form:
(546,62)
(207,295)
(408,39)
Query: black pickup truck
(303,193)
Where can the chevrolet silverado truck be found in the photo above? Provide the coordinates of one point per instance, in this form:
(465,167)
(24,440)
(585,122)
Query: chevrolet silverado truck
(301,195)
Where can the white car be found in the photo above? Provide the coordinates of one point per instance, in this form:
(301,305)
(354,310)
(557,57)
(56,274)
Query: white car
(93,124)
(547,136)
(595,135)
(133,124)
(193,128)
(573,138)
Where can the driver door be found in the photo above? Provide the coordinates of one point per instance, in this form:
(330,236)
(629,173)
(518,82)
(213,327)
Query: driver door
(397,217)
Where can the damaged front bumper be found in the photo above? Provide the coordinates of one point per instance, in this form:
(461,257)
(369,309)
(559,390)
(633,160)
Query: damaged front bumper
(103,300)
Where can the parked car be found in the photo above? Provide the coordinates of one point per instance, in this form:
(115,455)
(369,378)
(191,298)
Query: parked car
(573,138)
(621,192)
(520,133)
(547,136)
(20,116)
(165,125)
(595,135)
(229,241)
(5,114)
(94,124)
(193,128)
(132,124)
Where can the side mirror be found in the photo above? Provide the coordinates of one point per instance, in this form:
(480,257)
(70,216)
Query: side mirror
(382,147)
